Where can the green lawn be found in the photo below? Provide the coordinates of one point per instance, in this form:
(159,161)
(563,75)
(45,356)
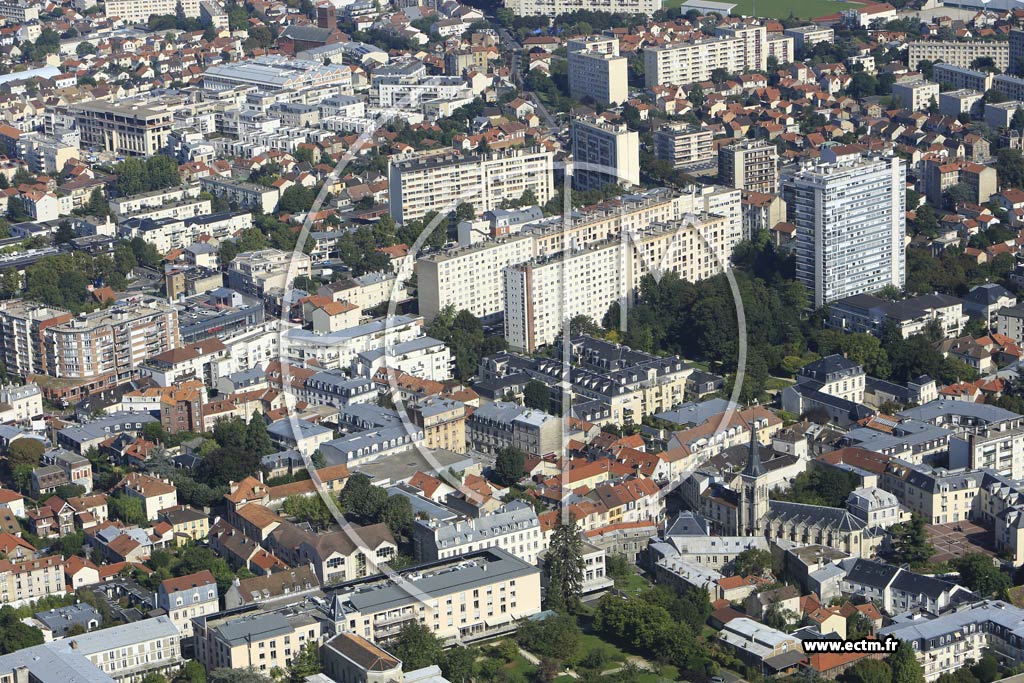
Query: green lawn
(780,9)
(590,642)
(776,383)
(633,584)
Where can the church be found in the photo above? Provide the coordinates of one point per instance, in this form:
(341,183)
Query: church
(749,511)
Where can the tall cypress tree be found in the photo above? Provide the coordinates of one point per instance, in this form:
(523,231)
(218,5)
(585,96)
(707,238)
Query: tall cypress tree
(564,567)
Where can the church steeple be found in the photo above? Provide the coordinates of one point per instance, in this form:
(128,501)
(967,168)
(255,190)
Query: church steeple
(754,467)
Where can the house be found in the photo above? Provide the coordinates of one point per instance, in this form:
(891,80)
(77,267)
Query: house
(786,598)
(898,590)
(294,582)
(334,556)
(156,494)
(762,647)
(187,523)
(186,597)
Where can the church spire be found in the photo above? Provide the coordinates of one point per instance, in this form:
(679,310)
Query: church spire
(754,467)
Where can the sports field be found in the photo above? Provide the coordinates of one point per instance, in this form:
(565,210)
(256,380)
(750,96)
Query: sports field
(780,9)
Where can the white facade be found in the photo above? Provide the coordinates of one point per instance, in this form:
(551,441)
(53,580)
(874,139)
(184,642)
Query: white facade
(537,302)
(469,278)
(424,183)
(849,213)
(692,62)
(552,8)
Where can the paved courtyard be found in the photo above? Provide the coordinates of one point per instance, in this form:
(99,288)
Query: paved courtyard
(958,539)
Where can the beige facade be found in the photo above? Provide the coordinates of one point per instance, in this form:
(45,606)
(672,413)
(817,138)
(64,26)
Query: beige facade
(28,581)
(692,62)
(958,53)
(470,597)
(136,129)
(258,640)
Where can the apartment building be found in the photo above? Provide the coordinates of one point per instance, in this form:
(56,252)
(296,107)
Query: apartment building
(256,272)
(22,342)
(552,8)
(18,11)
(108,347)
(186,597)
(750,165)
(1000,450)
(514,528)
(538,301)
(126,128)
(478,595)
(597,70)
(130,652)
(442,420)
(499,425)
(27,581)
(951,641)
(133,11)
(469,278)
(849,213)
(939,176)
(421,183)
(783,48)
(1015,53)
(256,639)
(958,53)
(604,153)
(961,78)
(916,95)
(939,496)
(808,36)
(171,233)
(869,313)
(689,62)
(1011,86)
(755,43)
(963,101)
(273,73)
(244,194)
(682,144)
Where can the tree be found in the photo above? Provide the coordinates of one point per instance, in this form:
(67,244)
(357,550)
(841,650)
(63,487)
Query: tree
(910,541)
(362,500)
(459,664)
(1017,122)
(778,618)
(904,665)
(25,451)
(509,466)
(397,514)
(305,663)
(256,438)
(563,566)
(868,671)
(858,626)
(752,562)
(1010,166)
(127,508)
(97,205)
(14,635)
(417,646)
(227,464)
(584,325)
(311,509)
(249,675)
(536,395)
(296,199)
(556,636)
(193,672)
(979,574)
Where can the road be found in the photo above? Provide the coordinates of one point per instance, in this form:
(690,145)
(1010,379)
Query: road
(509,42)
